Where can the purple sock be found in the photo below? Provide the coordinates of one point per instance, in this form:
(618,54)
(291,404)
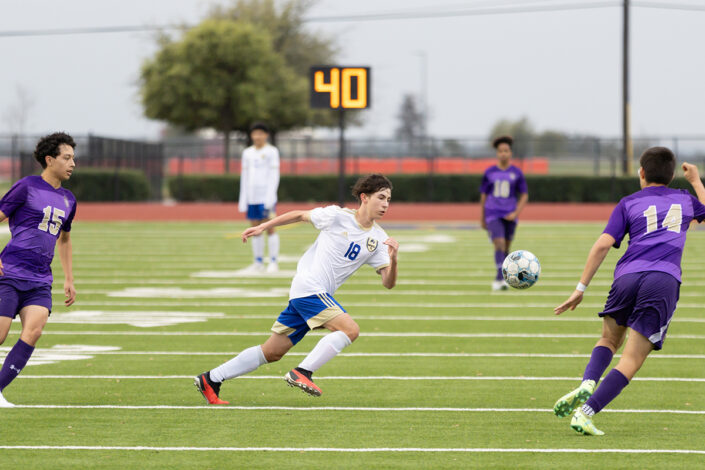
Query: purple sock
(499,256)
(14,362)
(608,390)
(599,361)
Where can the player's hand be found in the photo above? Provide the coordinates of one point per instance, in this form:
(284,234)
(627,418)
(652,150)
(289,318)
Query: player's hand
(690,172)
(252,232)
(70,293)
(571,303)
(483,224)
(510,217)
(393,247)
(1,272)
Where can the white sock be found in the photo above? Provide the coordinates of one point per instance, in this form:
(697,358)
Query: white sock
(247,361)
(258,248)
(273,242)
(327,348)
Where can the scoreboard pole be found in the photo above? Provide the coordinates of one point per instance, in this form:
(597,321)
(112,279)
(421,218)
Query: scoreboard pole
(341,157)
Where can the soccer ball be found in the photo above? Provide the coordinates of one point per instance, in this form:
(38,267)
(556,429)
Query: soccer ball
(521,269)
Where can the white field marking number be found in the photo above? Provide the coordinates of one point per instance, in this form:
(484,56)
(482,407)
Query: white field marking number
(672,222)
(56,220)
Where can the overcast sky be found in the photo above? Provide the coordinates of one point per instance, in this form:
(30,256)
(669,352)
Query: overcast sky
(561,69)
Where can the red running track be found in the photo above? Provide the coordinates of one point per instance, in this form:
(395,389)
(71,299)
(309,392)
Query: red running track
(400,211)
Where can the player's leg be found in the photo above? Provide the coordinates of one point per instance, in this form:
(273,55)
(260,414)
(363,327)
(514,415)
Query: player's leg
(273,246)
(610,341)
(5,324)
(344,331)
(635,353)
(33,317)
(500,252)
(247,361)
(8,311)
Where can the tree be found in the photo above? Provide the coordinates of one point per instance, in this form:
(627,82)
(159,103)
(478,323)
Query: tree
(17,115)
(300,47)
(410,120)
(521,130)
(223,75)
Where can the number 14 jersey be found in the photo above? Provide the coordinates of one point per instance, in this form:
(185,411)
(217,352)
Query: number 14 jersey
(656,218)
(38,213)
(341,248)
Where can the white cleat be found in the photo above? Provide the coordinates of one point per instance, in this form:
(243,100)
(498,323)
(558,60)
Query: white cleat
(272,267)
(499,285)
(4,403)
(254,268)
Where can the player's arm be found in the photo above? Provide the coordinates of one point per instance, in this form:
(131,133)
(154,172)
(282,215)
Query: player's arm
(597,255)
(2,219)
(66,256)
(290,217)
(389,273)
(483,199)
(523,199)
(691,174)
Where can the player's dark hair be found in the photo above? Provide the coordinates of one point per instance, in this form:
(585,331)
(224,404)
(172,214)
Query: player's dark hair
(49,145)
(370,184)
(659,164)
(503,139)
(259,126)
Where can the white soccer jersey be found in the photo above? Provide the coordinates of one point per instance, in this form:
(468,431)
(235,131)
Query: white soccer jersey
(341,248)
(259,177)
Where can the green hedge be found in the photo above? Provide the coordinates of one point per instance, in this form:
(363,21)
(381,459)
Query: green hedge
(92,184)
(414,188)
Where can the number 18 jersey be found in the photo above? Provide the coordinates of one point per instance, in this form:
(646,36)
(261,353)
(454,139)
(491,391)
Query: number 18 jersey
(38,213)
(341,248)
(656,218)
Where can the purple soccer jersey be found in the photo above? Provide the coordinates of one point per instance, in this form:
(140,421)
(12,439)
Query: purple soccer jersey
(502,187)
(656,218)
(38,213)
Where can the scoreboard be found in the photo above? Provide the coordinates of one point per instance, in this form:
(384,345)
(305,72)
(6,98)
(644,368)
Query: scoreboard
(338,87)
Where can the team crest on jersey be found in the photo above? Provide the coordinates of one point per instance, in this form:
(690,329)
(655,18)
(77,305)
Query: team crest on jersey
(66,201)
(371,244)
(512,176)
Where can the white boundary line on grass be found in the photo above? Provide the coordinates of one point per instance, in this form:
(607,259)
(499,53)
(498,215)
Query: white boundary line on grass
(368,335)
(363,449)
(336,408)
(359,377)
(386,354)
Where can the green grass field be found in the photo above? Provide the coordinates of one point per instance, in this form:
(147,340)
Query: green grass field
(442,363)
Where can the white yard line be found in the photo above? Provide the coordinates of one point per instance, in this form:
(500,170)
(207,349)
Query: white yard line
(282,303)
(370,334)
(337,408)
(388,354)
(364,449)
(359,377)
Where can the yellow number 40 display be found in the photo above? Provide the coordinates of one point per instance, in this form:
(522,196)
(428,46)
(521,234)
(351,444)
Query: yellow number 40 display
(340,87)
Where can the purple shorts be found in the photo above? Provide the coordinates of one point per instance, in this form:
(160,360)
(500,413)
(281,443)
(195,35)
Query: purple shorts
(15,294)
(500,228)
(644,302)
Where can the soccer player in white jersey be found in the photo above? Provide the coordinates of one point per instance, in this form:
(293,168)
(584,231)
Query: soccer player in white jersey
(259,181)
(348,240)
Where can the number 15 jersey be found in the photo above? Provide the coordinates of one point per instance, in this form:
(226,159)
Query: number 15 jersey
(38,213)
(656,218)
(341,248)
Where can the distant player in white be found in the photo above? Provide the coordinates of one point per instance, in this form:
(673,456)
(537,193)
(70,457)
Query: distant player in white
(347,241)
(259,182)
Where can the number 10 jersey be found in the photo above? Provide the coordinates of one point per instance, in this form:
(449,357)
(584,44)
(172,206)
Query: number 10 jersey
(38,213)
(341,248)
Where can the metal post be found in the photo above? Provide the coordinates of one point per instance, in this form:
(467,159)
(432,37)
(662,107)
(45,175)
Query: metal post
(627,148)
(341,158)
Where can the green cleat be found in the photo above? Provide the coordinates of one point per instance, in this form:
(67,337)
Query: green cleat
(582,424)
(570,401)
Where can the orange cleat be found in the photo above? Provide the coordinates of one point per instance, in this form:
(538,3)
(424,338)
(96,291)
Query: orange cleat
(298,379)
(209,389)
